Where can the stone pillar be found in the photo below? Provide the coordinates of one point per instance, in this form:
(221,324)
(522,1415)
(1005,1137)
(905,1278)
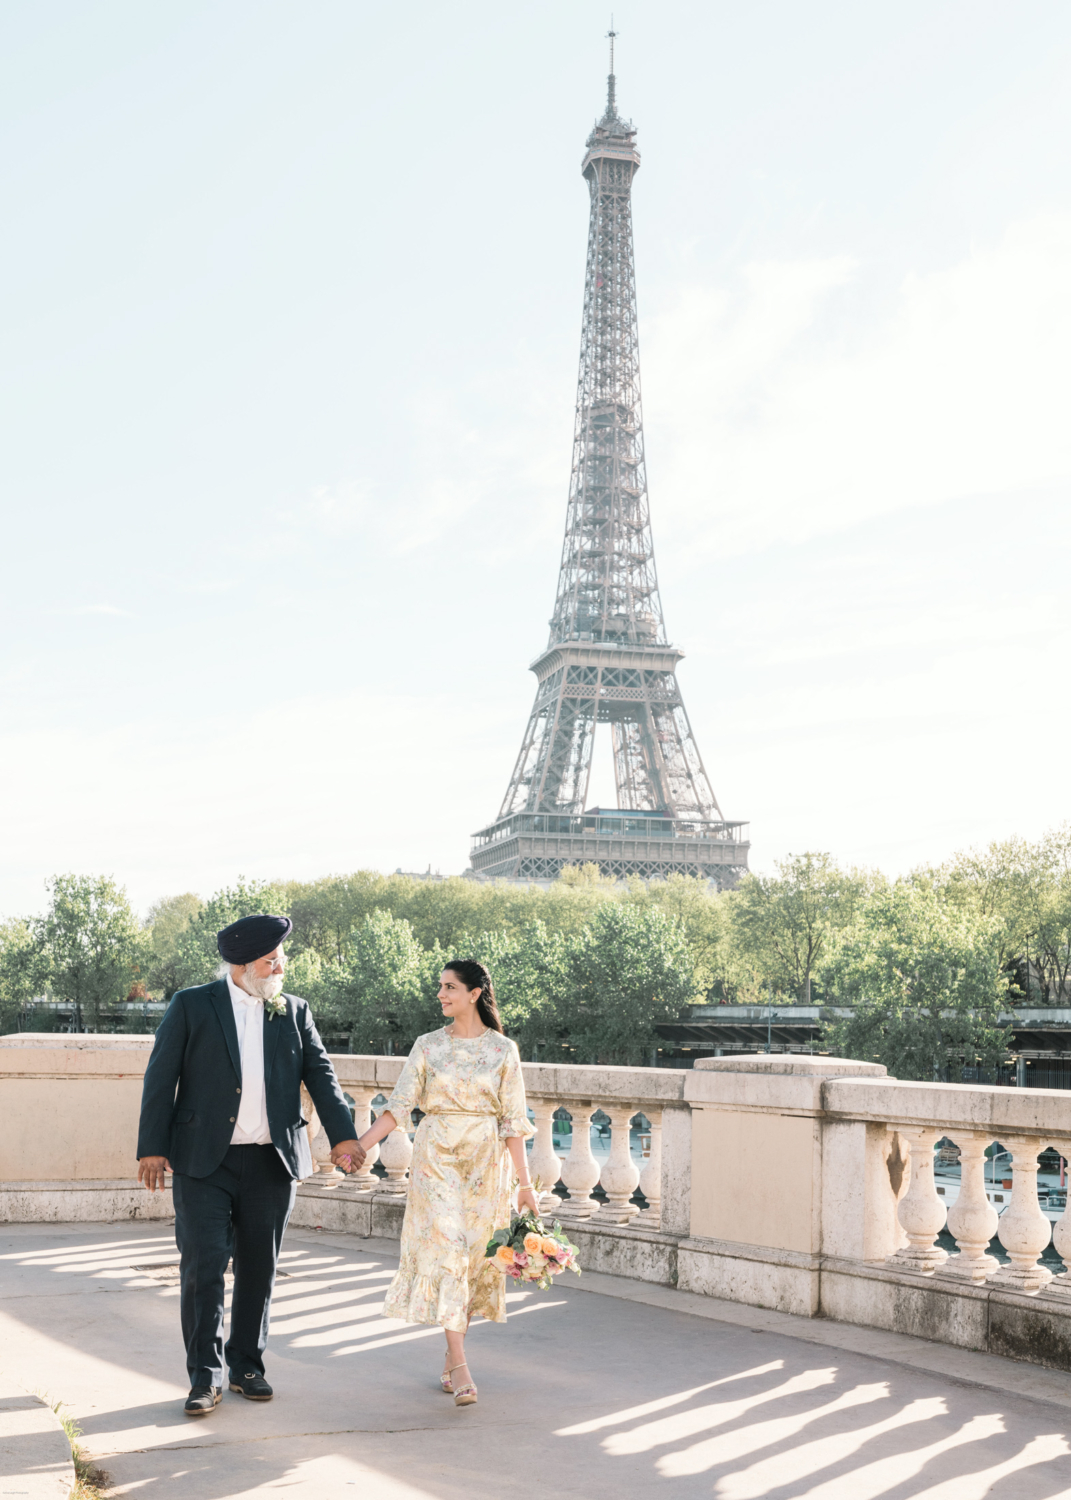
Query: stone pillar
(543,1164)
(1060,1285)
(364,1179)
(972,1219)
(651,1175)
(319,1145)
(921,1212)
(396,1152)
(580,1170)
(1022,1228)
(677,1171)
(620,1175)
(321,1155)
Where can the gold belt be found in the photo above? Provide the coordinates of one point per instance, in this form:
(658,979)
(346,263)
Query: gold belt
(479,1114)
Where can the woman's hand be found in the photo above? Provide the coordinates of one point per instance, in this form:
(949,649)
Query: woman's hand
(526,1198)
(349,1155)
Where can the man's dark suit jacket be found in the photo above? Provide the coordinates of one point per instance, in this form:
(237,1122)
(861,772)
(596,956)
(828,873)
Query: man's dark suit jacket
(196,1054)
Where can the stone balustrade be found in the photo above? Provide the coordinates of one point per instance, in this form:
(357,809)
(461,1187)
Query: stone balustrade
(804,1184)
(567,1184)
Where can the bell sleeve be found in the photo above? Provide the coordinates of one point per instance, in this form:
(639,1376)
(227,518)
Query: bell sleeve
(513,1107)
(408,1092)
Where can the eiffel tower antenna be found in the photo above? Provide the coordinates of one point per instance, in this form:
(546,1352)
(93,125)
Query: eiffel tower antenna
(608,660)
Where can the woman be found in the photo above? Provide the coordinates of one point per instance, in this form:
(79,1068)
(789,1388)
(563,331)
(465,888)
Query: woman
(466,1077)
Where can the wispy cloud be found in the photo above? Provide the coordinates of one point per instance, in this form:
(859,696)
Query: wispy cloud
(787,404)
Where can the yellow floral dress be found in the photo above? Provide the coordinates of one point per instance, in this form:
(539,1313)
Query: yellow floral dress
(472,1093)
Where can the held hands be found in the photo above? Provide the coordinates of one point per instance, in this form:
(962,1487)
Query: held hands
(349,1155)
(151,1171)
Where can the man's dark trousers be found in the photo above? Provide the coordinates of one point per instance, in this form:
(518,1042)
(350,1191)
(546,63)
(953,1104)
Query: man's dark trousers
(241,1210)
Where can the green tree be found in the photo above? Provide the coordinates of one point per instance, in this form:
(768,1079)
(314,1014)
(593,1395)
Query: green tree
(703,915)
(21,974)
(90,946)
(1001,885)
(383,996)
(1049,897)
(450,913)
(626,970)
(924,978)
(783,925)
(528,970)
(167,921)
(326,912)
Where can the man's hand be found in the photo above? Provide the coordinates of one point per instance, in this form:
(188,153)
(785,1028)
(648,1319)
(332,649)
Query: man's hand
(349,1155)
(151,1171)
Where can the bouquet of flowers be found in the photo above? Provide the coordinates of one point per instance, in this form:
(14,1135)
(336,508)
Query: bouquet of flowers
(528,1251)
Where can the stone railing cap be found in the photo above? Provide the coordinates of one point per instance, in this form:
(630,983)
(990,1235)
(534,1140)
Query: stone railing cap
(812,1067)
(84,1040)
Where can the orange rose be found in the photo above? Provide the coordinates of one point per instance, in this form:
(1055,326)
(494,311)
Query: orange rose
(504,1255)
(533,1244)
(550,1247)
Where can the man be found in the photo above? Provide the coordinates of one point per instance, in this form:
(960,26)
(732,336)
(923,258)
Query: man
(221,1110)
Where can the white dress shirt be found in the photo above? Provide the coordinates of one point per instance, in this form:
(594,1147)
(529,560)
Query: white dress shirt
(251,1127)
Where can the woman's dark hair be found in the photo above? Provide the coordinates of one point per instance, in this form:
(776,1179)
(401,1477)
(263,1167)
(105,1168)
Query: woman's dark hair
(475,977)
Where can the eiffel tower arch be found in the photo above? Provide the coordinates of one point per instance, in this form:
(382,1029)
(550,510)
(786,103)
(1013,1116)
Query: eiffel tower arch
(608,660)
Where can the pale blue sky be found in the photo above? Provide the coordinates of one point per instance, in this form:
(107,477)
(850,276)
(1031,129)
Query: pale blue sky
(290,319)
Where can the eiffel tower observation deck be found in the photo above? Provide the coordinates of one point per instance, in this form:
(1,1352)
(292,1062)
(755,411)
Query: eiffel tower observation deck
(608,660)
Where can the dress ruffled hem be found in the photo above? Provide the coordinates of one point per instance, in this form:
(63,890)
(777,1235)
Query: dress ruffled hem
(446,1300)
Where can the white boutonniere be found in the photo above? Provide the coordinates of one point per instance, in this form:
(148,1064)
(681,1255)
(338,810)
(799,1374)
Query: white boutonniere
(276,1007)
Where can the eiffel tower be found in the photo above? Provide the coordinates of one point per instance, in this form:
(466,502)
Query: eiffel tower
(608,660)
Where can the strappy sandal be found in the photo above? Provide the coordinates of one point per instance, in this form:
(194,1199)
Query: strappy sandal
(444,1379)
(465,1395)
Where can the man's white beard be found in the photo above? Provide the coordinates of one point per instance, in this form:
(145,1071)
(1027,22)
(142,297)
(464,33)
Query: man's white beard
(263,989)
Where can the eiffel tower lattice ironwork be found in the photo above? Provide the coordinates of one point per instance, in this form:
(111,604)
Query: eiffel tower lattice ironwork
(608,660)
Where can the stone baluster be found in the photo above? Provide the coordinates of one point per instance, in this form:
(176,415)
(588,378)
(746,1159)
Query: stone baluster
(364,1179)
(396,1152)
(1022,1228)
(620,1174)
(920,1210)
(543,1164)
(580,1170)
(651,1176)
(321,1155)
(319,1145)
(1061,1231)
(972,1220)
(314,1131)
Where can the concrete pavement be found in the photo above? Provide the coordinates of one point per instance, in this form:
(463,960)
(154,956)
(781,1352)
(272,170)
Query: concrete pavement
(35,1456)
(598,1388)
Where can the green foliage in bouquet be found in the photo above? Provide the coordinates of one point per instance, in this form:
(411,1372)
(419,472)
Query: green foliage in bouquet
(526,1250)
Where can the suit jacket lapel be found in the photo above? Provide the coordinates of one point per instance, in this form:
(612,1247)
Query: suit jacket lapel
(271,1038)
(221,999)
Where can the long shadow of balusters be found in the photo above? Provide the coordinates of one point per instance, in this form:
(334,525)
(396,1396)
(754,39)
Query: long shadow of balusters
(789,1430)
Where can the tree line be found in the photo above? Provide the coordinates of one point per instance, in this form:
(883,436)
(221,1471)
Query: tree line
(585,970)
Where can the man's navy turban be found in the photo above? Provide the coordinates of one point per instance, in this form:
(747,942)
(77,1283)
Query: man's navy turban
(251,938)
